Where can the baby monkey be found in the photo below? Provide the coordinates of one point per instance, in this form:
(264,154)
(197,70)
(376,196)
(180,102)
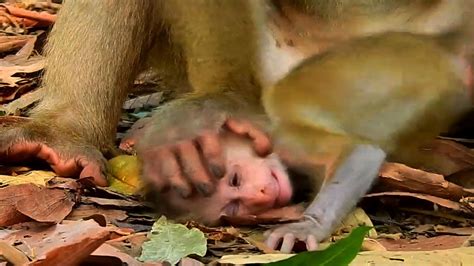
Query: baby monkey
(252,186)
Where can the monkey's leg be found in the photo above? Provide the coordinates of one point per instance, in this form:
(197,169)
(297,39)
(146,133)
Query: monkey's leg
(93,53)
(219,44)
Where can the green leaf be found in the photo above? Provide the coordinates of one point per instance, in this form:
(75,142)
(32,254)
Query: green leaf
(171,242)
(340,253)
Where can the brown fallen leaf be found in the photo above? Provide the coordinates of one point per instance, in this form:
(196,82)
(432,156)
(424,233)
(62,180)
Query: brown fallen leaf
(460,231)
(455,206)
(26,100)
(450,257)
(438,214)
(372,245)
(86,211)
(12,255)
(29,18)
(61,244)
(7,71)
(119,203)
(424,243)
(395,176)
(9,196)
(464,178)
(40,178)
(446,157)
(106,250)
(9,43)
(47,205)
(151,100)
(132,245)
(27,201)
(190,262)
(23,54)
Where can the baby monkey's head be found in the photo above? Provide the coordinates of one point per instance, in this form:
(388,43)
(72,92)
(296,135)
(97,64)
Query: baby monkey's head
(251,185)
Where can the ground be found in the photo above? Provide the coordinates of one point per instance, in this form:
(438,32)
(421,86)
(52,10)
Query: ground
(49,219)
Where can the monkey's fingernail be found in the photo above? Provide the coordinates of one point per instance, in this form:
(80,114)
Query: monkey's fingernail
(204,189)
(217,171)
(184,193)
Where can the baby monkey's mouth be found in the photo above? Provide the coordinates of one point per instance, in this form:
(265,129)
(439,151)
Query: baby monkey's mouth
(283,197)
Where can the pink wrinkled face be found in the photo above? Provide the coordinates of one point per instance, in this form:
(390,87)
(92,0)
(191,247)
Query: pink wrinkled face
(252,185)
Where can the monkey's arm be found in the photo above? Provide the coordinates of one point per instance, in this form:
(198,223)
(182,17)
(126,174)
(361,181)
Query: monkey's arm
(92,55)
(219,44)
(337,197)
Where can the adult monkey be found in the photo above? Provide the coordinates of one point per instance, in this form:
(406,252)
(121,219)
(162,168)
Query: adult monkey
(94,52)
(97,46)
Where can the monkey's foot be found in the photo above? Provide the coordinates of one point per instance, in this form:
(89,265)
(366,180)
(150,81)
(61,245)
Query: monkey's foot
(66,158)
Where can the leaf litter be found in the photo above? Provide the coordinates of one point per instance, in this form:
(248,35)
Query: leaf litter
(425,208)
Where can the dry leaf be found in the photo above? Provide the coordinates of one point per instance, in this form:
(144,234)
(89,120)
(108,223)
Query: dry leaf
(12,255)
(27,201)
(9,196)
(106,250)
(151,100)
(7,70)
(372,245)
(253,259)
(355,219)
(29,18)
(454,257)
(86,211)
(47,205)
(446,157)
(62,244)
(15,106)
(39,178)
(119,203)
(397,176)
(9,43)
(439,201)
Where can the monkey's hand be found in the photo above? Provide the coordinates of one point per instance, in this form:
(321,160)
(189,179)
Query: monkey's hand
(351,180)
(308,231)
(181,148)
(67,155)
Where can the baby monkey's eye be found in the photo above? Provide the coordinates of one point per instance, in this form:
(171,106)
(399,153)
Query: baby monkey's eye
(235,180)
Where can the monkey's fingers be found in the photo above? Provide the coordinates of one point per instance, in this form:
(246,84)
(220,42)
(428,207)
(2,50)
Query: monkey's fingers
(291,233)
(311,243)
(80,165)
(169,171)
(288,243)
(193,167)
(273,239)
(211,148)
(261,141)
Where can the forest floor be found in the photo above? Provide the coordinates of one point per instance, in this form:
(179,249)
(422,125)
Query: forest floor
(47,219)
